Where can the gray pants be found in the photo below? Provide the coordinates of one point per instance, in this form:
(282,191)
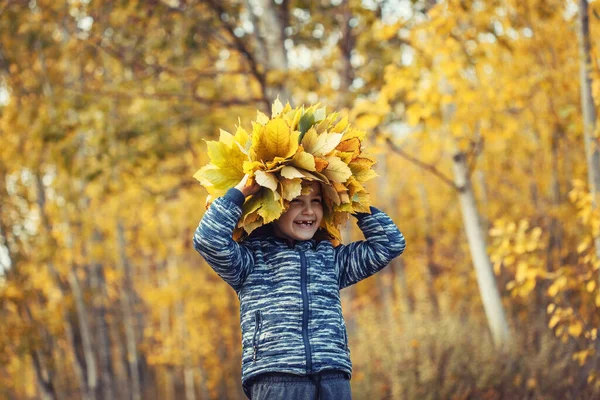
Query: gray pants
(328,385)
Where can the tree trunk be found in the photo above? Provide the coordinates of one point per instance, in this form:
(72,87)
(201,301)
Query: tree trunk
(188,371)
(126,308)
(555,239)
(102,330)
(45,384)
(490,296)
(589,112)
(345,45)
(86,336)
(91,377)
(271,29)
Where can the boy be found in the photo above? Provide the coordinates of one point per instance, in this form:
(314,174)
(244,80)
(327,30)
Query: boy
(294,342)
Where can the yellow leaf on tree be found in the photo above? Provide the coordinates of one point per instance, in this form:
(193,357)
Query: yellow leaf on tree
(581,356)
(590,286)
(575,329)
(553,321)
(368,121)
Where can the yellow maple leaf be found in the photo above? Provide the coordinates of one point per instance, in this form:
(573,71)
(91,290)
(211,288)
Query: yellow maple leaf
(331,196)
(275,139)
(276,108)
(323,144)
(217,180)
(270,209)
(291,188)
(320,164)
(350,145)
(340,126)
(291,173)
(337,170)
(304,160)
(266,179)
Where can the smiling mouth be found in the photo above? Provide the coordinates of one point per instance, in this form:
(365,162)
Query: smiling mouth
(304,224)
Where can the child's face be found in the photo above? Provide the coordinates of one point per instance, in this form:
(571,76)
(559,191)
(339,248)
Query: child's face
(303,217)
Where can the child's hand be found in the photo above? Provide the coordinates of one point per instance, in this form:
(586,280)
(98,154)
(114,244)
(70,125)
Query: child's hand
(247,186)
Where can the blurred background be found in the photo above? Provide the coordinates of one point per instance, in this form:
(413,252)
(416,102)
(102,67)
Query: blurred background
(480,112)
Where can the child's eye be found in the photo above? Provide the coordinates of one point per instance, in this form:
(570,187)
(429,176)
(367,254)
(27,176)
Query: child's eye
(317,201)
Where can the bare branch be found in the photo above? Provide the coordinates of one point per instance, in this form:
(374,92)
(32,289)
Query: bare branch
(240,46)
(420,164)
(166,96)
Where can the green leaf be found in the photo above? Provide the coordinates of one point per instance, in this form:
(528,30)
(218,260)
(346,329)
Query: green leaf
(306,121)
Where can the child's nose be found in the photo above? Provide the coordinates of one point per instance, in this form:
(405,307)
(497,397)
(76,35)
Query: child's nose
(308,209)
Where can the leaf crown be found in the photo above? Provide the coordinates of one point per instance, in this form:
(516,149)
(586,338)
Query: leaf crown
(294,145)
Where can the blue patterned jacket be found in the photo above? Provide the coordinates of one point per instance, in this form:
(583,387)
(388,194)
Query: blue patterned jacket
(290,310)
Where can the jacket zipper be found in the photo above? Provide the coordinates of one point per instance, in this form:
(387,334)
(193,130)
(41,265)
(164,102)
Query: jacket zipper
(304,285)
(257,327)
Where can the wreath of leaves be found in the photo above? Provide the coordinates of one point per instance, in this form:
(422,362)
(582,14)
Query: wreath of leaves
(295,145)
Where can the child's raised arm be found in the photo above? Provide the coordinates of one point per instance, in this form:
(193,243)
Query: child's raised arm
(359,260)
(213,237)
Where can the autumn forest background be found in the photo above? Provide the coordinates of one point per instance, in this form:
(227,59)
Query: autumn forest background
(482,116)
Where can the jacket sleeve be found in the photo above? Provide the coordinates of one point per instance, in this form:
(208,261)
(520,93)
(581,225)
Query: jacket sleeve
(213,240)
(359,260)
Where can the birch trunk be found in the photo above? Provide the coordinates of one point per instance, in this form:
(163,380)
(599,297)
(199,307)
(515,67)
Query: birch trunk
(86,336)
(45,384)
(91,377)
(271,30)
(128,320)
(592,151)
(488,290)
(188,371)
(102,329)
(346,45)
